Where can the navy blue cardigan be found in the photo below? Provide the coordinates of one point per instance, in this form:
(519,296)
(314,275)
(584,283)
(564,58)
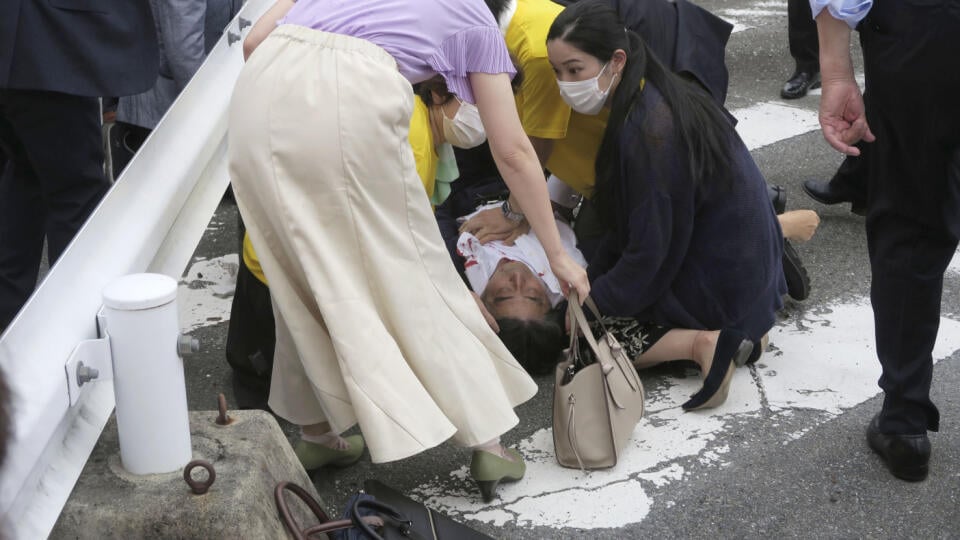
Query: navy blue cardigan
(680,255)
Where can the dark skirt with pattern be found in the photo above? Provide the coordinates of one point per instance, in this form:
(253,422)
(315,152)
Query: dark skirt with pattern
(634,335)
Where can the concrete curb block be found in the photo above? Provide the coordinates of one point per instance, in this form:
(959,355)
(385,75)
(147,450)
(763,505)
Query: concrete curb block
(250,456)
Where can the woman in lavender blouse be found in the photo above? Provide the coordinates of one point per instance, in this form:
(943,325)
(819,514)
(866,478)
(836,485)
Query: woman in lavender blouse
(374,326)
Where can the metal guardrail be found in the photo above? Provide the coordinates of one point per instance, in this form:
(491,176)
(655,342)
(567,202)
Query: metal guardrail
(150,221)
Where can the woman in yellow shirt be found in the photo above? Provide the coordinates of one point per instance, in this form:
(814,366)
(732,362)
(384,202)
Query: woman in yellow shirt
(567,141)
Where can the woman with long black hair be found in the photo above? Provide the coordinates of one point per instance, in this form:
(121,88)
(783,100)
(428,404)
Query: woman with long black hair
(692,247)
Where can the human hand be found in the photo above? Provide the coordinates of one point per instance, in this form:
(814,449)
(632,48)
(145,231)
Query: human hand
(843,117)
(490,224)
(799,225)
(491,320)
(571,276)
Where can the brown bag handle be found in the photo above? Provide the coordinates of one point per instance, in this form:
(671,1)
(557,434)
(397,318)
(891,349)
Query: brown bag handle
(326,525)
(578,320)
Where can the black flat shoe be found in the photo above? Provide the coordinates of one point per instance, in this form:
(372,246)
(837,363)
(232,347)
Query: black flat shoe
(778,198)
(799,84)
(907,456)
(795,274)
(733,349)
(830,193)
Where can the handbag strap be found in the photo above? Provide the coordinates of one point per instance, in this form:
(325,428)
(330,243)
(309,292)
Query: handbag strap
(325,526)
(579,321)
(388,513)
(574,327)
(596,314)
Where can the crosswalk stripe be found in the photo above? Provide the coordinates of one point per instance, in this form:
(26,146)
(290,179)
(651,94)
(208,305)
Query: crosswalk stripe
(824,361)
(766,123)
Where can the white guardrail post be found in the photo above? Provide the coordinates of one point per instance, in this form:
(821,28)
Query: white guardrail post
(150,221)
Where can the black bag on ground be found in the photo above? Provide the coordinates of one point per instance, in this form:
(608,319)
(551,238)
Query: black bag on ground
(427,523)
(379,513)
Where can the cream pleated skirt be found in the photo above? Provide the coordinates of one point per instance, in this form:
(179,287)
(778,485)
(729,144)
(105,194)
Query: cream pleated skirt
(374,325)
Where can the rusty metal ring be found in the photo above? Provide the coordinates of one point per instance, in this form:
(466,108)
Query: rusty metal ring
(199,487)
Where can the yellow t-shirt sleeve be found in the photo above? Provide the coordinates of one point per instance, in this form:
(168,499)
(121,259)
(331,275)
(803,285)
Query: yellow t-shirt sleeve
(543,112)
(251,261)
(421,140)
(574,157)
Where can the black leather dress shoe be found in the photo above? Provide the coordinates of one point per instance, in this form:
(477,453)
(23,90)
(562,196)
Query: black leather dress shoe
(799,84)
(778,198)
(798,282)
(834,193)
(907,456)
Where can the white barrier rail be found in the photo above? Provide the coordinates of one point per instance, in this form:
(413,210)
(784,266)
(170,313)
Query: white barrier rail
(150,221)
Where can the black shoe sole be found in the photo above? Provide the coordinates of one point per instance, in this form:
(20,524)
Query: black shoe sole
(795,274)
(778,198)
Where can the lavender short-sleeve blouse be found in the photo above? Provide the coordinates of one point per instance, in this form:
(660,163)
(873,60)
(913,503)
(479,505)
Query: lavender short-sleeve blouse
(426,37)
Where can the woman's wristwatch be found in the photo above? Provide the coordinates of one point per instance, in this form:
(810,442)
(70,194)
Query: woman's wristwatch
(509,213)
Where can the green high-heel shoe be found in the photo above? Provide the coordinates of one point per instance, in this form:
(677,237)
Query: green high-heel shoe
(488,470)
(314,456)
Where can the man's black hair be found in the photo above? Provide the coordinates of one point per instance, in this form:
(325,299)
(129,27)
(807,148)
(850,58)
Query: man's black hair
(537,344)
(497,7)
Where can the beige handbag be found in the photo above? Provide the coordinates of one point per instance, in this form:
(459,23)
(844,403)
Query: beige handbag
(597,401)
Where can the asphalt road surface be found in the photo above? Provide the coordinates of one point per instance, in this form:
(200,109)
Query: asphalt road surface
(784,457)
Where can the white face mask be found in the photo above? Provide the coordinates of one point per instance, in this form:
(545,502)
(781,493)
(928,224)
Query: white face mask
(466,129)
(585,96)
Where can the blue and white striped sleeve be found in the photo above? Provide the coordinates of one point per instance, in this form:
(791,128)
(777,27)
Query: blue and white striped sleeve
(848,11)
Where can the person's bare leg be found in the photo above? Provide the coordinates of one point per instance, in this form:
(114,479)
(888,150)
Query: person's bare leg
(320,446)
(699,346)
(677,344)
(799,225)
(494,447)
(322,434)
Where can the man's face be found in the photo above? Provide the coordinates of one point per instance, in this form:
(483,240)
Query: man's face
(515,292)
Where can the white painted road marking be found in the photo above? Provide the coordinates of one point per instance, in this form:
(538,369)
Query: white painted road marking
(824,362)
(205,293)
(766,123)
(755,14)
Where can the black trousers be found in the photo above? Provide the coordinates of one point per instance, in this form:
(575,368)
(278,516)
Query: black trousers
(914,193)
(802,33)
(851,177)
(251,337)
(51,182)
